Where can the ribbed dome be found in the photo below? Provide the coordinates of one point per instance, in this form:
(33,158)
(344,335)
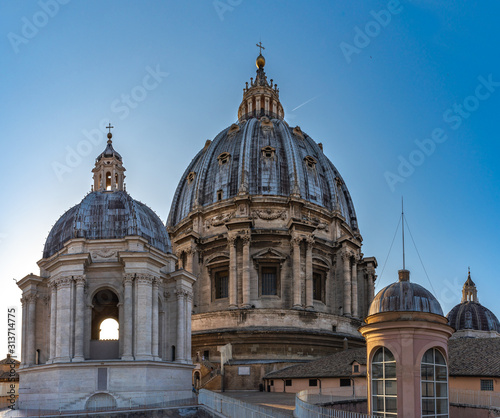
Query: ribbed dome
(261,157)
(109,152)
(404,296)
(107,215)
(473,316)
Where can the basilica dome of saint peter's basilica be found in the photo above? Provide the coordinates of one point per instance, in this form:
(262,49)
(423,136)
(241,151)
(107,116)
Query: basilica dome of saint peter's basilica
(266,223)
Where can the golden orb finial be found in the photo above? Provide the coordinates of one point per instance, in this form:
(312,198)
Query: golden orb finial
(261,61)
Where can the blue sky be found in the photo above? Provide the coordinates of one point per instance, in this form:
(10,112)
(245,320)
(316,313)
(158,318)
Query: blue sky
(403,95)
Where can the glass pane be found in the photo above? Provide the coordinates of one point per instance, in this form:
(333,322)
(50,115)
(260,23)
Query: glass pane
(428,357)
(391,387)
(441,390)
(439,357)
(377,371)
(427,372)
(427,390)
(427,406)
(379,356)
(269,281)
(391,404)
(378,387)
(441,373)
(390,370)
(442,406)
(388,355)
(379,403)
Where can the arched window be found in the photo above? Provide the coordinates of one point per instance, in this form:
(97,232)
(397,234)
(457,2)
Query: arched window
(104,310)
(434,375)
(108,181)
(384,384)
(109,329)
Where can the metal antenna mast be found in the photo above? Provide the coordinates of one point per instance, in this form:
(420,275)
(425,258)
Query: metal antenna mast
(403,229)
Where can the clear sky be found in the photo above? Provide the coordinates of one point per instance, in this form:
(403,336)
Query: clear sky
(402,95)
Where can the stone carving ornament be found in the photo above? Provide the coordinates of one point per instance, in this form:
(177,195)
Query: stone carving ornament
(270,214)
(219,220)
(103,253)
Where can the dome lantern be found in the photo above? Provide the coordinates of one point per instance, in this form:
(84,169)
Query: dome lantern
(261,98)
(109,171)
(469,291)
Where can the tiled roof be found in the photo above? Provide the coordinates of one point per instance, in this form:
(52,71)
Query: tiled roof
(467,357)
(8,360)
(335,365)
(6,376)
(474,357)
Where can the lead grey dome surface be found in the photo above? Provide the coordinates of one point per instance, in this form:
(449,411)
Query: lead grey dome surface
(286,171)
(405,296)
(107,215)
(473,316)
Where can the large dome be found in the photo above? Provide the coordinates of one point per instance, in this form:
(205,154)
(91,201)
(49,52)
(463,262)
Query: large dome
(404,296)
(262,157)
(107,215)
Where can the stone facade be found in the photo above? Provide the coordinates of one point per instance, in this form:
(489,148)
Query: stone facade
(83,281)
(265,222)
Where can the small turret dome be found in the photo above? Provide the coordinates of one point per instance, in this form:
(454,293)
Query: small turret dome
(404,296)
(470,314)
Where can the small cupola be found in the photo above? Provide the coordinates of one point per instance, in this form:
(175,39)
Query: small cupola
(260,97)
(469,291)
(109,171)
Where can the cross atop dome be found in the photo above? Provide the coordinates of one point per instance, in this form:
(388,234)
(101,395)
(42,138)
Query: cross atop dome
(110,135)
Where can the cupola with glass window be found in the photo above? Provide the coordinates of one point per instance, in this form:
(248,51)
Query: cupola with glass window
(405,328)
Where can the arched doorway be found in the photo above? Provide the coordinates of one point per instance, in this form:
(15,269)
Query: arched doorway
(104,334)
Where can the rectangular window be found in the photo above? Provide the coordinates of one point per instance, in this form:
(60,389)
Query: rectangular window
(288,382)
(318,286)
(269,281)
(221,282)
(272,383)
(356,368)
(313,382)
(486,384)
(102,379)
(345,382)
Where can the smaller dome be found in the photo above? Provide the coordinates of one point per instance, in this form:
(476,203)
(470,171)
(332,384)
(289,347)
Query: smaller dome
(108,215)
(109,152)
(473,316)
(404,296)
(470,314)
